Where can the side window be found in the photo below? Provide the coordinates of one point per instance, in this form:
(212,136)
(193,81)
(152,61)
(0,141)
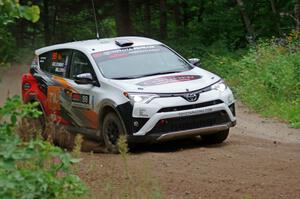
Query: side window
(80,64)
(55,62)
(44,61)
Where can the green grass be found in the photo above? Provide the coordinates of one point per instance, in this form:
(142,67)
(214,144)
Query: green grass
(265,77)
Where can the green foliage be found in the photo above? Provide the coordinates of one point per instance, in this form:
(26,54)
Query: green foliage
(10,9)
(266,78)
(7,47)
(33,169)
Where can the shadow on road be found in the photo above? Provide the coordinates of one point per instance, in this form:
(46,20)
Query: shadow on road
(172,146)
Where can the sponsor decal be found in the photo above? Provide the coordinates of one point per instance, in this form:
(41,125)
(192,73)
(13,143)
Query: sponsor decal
(58,64)
(168,80)
(124,52)
(80,98)
(195,112)
(97,54)
(42,59)
(60,70)
(56,56)
(76,97)
(117,55)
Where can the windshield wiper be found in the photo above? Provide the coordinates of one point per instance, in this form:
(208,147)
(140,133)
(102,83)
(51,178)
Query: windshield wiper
(160,73)
(146,75)
(123,78)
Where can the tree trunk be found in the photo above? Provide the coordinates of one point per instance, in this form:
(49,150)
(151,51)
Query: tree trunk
(276,16)
(297,16)
(45,18)
(122,16)
(147,18)
(246,20)
(177,14)
(19,32)
(200,12)
(163,19)
(186,14)
(54,18)
(177,18)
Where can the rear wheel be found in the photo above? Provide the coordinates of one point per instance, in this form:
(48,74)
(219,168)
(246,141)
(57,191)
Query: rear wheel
(215,138)
(112,129)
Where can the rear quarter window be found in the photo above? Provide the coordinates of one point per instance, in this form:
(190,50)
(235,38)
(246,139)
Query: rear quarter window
(55,62)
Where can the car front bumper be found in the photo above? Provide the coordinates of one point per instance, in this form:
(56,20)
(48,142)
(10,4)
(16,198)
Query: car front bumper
(213,112)
(150,138)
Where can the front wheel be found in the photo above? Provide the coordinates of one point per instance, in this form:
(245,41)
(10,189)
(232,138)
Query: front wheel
(216,138)
(112,129)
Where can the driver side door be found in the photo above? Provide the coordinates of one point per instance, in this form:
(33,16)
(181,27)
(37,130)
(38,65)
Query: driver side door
(78,100)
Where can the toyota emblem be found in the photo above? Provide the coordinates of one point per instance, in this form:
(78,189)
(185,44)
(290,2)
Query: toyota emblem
(191,97)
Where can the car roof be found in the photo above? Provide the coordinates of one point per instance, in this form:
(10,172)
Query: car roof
(97,45)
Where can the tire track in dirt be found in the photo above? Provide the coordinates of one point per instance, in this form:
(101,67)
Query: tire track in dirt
(260,159)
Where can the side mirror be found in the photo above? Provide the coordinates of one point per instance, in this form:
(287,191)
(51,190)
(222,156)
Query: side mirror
(195,61)
(84,78)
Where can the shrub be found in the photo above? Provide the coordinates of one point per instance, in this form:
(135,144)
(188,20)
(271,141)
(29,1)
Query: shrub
(7,47)
(35,168)
(266,78)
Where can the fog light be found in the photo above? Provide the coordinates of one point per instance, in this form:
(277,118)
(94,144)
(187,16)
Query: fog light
(136,123)
(163,122)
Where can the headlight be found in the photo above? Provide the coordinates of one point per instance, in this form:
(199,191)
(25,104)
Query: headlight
(220,86)
(140,97)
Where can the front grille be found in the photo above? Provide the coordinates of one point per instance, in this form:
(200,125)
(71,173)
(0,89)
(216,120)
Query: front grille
(190,122)
(192,106)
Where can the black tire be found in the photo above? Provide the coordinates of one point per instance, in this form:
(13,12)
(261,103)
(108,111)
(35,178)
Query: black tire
(215,138)
(112,129)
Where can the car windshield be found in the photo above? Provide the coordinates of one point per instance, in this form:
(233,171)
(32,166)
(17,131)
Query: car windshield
(140,61)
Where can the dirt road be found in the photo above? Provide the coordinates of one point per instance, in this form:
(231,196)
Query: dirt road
(260,159)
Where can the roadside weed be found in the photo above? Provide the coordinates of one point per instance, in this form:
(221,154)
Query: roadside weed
(32,168)
(77,145)
(266,78)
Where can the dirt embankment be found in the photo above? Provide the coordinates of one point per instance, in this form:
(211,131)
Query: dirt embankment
(260,159)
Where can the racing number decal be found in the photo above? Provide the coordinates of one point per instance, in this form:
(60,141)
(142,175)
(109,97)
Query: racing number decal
(80,98)
(85,99)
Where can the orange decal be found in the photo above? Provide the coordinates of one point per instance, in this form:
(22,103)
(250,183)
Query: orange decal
(92,117)
(53,98)
(64,83)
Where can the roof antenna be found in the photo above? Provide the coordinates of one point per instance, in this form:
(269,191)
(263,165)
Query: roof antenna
(95,17)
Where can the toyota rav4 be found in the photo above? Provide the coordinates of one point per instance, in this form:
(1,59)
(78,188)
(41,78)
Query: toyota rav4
(131,86)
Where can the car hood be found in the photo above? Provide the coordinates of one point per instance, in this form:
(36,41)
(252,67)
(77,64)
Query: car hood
(169,83)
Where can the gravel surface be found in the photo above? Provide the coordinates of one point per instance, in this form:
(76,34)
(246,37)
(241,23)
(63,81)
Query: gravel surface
(260,159)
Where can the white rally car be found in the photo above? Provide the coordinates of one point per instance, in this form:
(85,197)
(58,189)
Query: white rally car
(134,86)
